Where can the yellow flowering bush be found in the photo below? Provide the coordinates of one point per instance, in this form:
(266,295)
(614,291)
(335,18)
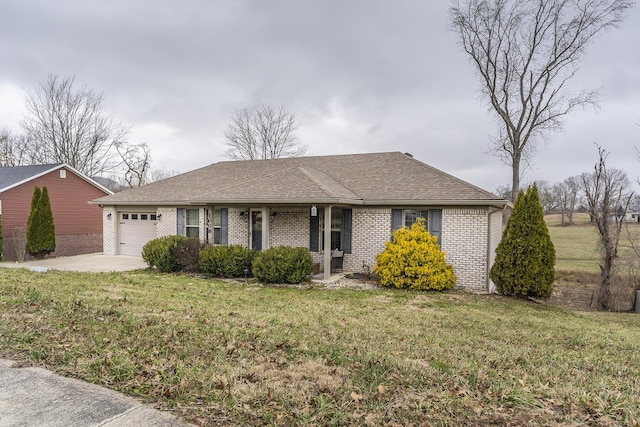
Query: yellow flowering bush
(413,259)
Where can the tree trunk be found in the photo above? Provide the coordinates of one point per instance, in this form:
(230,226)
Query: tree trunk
(604,293)
(515,177)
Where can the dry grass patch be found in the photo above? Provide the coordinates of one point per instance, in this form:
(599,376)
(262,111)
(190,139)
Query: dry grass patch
(222,353)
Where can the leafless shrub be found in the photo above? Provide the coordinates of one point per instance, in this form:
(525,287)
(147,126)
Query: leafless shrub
(18,242)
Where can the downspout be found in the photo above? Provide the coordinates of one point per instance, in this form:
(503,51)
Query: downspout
(491,212)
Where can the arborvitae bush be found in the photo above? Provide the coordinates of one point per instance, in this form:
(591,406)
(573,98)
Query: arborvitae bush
(41,239)
(282,264)
(158,253)
(226,261)
(525,258)
(413,259)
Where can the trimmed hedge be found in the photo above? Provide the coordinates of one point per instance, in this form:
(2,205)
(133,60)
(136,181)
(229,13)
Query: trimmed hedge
(159,253)
(226,261)
(282,264)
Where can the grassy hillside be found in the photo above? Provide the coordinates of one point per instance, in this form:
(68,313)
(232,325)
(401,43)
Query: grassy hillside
(231,354)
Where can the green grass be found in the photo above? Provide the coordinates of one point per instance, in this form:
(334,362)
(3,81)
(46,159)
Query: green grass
(232,354)
(577,246)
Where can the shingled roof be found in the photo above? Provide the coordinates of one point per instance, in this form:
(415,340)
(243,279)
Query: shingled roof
(366,179)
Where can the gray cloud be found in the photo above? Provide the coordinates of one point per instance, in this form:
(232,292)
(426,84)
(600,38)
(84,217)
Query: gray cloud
(361,75)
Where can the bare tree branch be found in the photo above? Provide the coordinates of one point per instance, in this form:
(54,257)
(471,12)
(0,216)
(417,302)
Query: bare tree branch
(136,162)
(263,133)
(608,198)
(525,53)
(11,149)
(63,124)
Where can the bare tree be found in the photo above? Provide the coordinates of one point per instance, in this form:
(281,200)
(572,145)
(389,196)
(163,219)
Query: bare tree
(136,162)
(548,198)
(525,53)
(573,188)
(68,125)
(566,195)
(11,149)
(608,198)
(160,174)
(263,133)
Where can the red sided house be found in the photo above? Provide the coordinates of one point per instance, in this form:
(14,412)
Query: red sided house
(78,225)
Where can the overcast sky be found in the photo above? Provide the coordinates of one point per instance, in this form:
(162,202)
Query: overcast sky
(362,76)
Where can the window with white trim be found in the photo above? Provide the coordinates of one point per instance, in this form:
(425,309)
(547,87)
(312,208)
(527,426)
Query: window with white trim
(192,223)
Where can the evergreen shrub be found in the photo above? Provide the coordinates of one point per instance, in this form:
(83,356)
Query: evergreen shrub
(226,261)
(41,239)
(158,253)
(282,264)
(413,259)
(525,257)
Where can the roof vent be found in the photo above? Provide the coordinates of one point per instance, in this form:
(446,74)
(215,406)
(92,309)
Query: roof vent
(408,154)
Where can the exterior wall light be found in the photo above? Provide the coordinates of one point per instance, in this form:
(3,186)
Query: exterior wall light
(109,216)
(314,210)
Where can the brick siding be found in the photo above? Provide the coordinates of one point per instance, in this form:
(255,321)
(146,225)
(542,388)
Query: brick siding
(289,227)
(109,231)
(238,227)
(464,241)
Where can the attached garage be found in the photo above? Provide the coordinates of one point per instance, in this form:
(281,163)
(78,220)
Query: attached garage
(135,229)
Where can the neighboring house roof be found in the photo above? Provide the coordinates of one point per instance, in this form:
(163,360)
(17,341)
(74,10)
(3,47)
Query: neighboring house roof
(11,177)
(367,179)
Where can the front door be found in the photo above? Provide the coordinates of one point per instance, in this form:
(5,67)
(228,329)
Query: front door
(256,230)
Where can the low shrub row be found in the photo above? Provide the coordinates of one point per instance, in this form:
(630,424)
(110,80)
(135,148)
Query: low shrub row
(281,264)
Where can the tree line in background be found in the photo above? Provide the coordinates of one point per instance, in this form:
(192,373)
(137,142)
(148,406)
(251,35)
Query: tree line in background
(570,195)
(64,123)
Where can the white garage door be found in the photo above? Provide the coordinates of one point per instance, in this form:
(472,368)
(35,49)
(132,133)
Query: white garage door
(136,229)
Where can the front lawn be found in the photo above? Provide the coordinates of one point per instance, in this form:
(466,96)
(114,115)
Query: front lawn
(233,354)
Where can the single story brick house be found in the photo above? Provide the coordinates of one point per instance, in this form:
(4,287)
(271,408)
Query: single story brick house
(350,202)
(78,224)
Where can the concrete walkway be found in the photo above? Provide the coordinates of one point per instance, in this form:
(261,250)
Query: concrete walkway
(95,263)
(37,397)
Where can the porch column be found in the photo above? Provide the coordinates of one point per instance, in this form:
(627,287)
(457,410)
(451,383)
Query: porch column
(327,243)
(266,228)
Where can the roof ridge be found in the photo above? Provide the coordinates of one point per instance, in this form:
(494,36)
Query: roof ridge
(322,185)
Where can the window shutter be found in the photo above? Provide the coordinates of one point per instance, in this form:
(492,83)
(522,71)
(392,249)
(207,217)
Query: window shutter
(314,232)
(435,224)
(224,226)
(180,222)
(345,235)
(396,219)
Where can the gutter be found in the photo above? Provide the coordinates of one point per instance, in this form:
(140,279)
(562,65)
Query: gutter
(329,201)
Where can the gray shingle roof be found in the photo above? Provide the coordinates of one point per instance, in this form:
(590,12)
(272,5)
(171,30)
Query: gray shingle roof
(375,178)
(13,175)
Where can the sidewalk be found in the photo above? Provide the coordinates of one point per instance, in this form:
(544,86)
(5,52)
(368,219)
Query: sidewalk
(37,397)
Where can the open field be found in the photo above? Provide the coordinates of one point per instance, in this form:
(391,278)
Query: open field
(231,354)
(577,245)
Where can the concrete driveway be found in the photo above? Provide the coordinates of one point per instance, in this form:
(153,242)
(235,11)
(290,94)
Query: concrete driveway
(95,263)
(37,397)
